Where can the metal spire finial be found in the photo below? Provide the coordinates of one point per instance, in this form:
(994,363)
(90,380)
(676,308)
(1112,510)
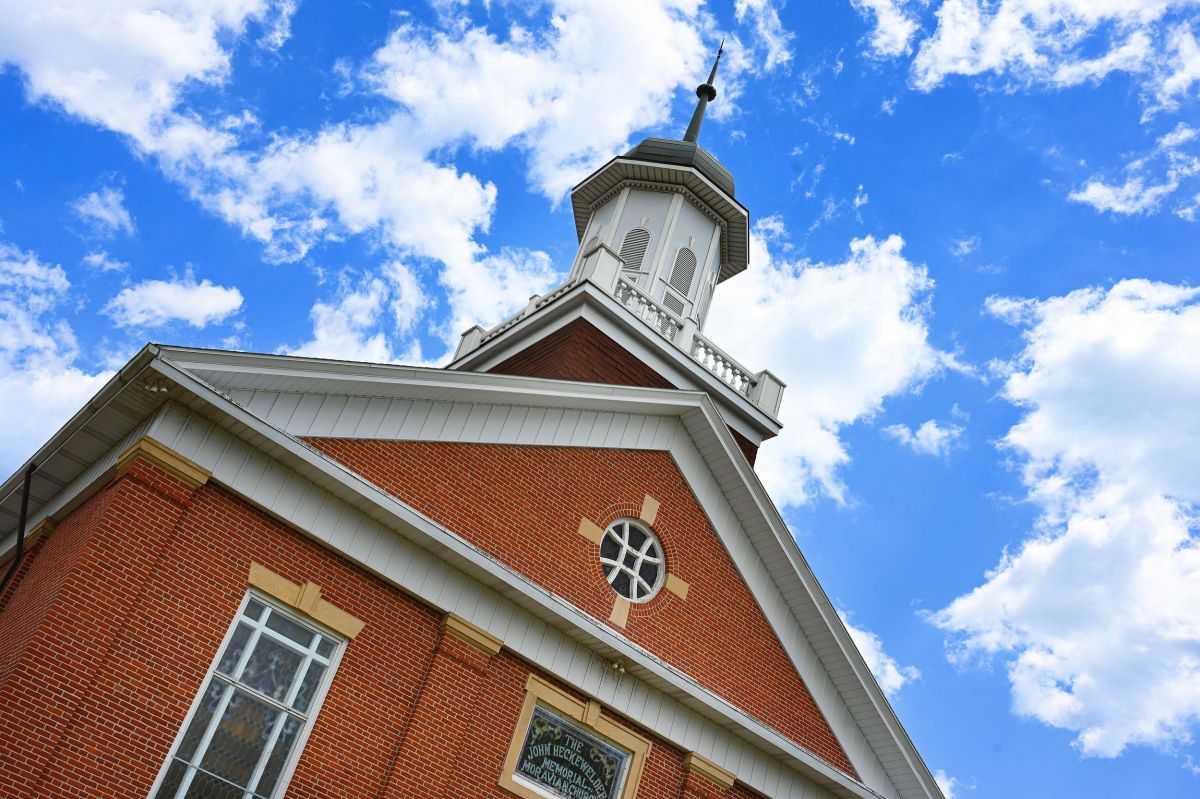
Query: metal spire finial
(707,93)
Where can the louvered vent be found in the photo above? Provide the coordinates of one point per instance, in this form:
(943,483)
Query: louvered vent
(633,249)
(673,302)
(592,242)
(684,270)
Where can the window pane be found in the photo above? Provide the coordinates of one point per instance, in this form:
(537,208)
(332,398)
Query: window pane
(285,626)
(325,648)
(206,786)
(568,760)
(271,668)
(233,652)
(254,609)
(170,783)
(308,688)
(240,738)
(279,756)
(200,721)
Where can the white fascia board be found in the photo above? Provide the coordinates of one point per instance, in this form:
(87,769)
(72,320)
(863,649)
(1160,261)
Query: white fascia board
(589,302)
(366,496)
(847,650)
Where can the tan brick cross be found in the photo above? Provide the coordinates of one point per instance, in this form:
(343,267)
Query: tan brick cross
(594,533)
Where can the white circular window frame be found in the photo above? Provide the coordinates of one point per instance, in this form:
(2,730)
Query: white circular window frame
(619,529)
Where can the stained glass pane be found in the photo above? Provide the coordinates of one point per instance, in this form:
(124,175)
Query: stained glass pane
(206,786)
(271,668)
(279,756)
(566,760)
(235,648)
(308,688)
(204,713)
(296,632)
(171,782)
(636,537)
(240,738)
(254,609)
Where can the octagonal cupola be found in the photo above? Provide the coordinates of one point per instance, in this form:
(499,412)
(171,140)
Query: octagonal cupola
(659,228)
(667,210)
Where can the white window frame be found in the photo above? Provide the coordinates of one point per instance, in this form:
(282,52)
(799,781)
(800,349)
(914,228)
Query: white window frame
(335,659)
(618,565)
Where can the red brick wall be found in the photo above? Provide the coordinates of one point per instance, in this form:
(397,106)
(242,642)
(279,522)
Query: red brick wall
(120,611)
(523,505)
(580,352)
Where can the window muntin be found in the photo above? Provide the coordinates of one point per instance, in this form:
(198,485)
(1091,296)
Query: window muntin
(255,710)
(632,560)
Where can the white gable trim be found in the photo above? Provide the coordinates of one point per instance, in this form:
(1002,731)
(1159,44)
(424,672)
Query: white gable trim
(359,520)
(859,708)
(475,422)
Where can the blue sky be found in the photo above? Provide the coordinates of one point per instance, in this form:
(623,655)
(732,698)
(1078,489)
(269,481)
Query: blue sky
(973,262)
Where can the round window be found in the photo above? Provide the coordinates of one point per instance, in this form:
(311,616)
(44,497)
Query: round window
(632,559)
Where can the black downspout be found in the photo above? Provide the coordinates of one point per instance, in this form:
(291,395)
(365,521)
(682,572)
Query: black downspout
(12,568)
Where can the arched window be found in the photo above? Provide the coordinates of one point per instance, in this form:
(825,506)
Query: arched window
(633,248)
(683,271)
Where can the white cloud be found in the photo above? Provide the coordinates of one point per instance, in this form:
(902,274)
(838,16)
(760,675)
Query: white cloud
(844,336)
(1149,179)
(104,212)
(103,262)
(928,439)
(546,91)
(549,92)
(768,30)
(890,675)
(1055,44)
(1094,614)
(894,28)
(355,323)
(347,327)
(154,303)
(946,784)
(123,64)
(40,384)
(961,248)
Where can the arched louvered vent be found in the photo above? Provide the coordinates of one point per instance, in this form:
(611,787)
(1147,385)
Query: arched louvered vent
(633,249)
(592,242)
(683,271)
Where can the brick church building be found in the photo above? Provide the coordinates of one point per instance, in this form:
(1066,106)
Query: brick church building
(547,570)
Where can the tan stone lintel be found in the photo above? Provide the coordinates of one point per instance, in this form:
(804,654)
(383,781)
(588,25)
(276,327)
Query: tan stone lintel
(306,598)
(709,770)
(170,461)
(590,530)
(649,511)
(620,612)
(468,633)
(677,586)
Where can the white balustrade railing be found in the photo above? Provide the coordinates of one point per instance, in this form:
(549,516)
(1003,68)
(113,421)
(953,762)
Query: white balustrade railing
(648,310)
(678,331)
(729,371)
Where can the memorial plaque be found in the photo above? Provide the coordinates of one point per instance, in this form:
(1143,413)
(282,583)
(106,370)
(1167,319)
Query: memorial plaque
(568,761)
